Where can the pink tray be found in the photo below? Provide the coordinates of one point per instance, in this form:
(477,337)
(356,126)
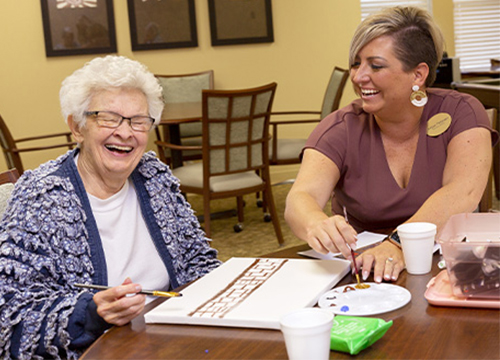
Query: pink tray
(439,293)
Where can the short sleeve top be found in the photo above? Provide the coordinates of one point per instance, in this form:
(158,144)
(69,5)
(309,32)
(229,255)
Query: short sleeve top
(351,138)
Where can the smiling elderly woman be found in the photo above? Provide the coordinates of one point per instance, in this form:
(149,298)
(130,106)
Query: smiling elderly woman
(105,213)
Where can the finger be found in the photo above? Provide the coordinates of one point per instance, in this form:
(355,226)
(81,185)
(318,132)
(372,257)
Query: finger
(123,318)
(389,268)
(127,281)
(378,270)
(136,311)
(333,240)
(346,238)
(349,235)
(398,267)
(316,244)
(116,292)
(124,308)
(325,238)
(365,262)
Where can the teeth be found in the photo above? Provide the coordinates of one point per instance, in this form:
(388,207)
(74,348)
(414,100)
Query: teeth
(119,148)
(368,92)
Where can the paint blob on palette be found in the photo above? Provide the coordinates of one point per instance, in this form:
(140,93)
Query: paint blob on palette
(377,299)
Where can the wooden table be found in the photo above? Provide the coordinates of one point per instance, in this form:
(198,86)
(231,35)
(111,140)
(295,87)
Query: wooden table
(419,331)
(485,71)
(173,115)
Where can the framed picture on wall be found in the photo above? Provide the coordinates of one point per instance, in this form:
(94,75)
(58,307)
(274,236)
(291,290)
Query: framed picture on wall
(162,24)
(76,27)
(240,21)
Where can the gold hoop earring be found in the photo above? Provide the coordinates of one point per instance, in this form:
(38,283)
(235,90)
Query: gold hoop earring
(418,97)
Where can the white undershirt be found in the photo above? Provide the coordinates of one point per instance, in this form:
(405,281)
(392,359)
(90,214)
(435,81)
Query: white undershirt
(128,247)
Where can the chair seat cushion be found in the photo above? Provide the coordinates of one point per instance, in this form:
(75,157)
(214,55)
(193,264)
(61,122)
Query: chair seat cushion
(288,148)
(5,191)
(192,175)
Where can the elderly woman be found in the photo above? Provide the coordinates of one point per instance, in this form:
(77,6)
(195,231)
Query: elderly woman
(403,152)
(105,213)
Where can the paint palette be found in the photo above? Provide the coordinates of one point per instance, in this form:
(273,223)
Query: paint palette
(377,299)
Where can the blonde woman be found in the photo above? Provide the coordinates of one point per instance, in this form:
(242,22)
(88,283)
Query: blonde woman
(402,152)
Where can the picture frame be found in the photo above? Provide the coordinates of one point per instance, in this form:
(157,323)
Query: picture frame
(165,24)
(240,22)
(78,27)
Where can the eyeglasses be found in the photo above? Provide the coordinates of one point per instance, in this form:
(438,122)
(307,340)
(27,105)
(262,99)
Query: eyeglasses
(112,120)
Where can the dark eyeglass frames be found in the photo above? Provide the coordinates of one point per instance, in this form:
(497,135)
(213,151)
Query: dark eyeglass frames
(112,120)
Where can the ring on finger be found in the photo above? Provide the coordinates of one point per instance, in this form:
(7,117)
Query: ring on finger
(389,260)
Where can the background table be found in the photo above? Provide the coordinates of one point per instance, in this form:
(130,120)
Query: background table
(419,331)
(173,115)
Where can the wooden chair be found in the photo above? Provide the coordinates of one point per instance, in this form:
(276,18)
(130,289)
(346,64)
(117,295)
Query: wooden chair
(9,176)
(12,152)
(486,201)
(235,150)
(180,89)
(488,92)
(7,181)
(287,151)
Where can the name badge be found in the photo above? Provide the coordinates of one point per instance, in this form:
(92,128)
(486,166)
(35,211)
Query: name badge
(438,124)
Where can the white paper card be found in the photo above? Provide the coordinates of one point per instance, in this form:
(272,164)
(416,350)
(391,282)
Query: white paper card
(365,239)
(251,292)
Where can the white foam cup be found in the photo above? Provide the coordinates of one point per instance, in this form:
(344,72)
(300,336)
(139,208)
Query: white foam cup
(417,242)
(307,333)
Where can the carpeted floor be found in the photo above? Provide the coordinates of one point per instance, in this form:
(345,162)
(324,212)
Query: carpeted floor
(258,237)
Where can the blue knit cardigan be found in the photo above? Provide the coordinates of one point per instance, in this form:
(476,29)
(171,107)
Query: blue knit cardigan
(49,241)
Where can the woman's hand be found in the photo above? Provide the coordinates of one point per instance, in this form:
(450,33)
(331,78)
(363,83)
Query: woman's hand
(386,259)
(332,234)
(305,205)
(115,307)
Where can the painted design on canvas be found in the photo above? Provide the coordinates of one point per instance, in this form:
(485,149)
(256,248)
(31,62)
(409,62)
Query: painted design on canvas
(239,289)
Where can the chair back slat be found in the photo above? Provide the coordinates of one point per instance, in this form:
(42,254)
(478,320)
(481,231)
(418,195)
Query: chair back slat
(236,129)
(8,144)
(186,88)
(9,176)
(334,91)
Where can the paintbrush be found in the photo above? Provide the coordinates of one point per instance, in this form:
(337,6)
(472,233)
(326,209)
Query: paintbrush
(145,292)
(353,255)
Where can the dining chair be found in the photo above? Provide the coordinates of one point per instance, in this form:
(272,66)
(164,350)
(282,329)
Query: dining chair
(235,147)
(488,92)
(486,200)
(7,181)
(184,88)
(12,152)
(287,151)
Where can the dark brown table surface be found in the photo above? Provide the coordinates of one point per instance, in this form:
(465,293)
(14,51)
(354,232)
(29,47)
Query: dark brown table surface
(178,113)
(419,331)
(173,115)
(485,71)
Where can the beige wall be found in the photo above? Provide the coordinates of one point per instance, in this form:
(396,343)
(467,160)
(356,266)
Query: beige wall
(310,38)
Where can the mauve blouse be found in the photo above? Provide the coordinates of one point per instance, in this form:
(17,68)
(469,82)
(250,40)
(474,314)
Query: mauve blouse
(351,138)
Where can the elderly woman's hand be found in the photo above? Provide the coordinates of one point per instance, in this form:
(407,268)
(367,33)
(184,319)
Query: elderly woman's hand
(332,234)
(386,259)
(115,307)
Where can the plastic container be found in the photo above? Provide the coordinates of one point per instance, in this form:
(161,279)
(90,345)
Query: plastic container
(439,293)
(471,249)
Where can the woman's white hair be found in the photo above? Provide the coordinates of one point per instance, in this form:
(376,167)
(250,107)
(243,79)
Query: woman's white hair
(105,73)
